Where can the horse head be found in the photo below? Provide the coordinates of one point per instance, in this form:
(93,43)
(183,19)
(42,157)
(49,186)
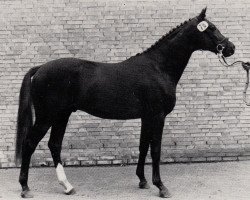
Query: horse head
(206,36)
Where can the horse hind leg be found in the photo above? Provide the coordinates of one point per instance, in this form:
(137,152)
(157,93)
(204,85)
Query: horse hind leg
(55,146)
(37,132)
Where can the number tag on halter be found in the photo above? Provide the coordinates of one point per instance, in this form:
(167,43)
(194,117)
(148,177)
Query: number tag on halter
(202,26)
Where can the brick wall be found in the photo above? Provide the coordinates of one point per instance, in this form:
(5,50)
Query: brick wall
(210,121)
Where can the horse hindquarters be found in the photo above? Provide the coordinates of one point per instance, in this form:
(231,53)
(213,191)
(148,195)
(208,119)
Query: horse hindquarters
(28,136)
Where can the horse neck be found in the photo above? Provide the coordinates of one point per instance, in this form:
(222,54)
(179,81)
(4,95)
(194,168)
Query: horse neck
(173,55)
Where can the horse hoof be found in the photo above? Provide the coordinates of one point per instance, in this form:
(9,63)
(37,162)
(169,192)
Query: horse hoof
(165,193)
(144,185)
(71,192)
(27,194)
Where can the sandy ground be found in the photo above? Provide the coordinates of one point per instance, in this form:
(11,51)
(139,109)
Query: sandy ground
(199,181)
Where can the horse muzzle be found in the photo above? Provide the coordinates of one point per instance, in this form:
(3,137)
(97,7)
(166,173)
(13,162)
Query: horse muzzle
(226,48)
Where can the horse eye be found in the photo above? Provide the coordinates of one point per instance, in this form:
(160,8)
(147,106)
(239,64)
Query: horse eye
(213,28)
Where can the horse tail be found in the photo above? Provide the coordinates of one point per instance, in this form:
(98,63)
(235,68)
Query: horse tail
(24,117)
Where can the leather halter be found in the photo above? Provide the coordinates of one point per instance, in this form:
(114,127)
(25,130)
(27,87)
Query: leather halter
(220,46)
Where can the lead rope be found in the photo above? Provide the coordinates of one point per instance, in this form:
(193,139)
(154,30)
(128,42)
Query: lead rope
(246,67)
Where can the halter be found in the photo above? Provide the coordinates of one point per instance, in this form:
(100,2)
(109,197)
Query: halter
(245,65)
(219,46)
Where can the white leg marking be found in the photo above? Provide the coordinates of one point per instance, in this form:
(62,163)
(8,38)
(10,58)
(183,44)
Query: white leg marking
(61,176)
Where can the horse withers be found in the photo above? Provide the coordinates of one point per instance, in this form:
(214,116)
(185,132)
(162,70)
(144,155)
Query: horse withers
(143,86)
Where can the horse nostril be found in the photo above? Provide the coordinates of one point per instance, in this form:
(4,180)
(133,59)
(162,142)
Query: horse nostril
(233,47)
(232,51)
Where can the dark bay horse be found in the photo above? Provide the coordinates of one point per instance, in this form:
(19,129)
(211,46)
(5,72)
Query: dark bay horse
(143,86)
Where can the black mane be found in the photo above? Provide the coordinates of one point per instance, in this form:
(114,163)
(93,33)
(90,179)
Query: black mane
(166,36)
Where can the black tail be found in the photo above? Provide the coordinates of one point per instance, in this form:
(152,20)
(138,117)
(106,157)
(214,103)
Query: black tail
(24,118)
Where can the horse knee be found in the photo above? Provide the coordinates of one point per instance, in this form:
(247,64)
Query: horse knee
(22,179)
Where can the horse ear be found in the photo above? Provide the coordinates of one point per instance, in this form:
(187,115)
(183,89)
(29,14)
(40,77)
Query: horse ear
(202,15)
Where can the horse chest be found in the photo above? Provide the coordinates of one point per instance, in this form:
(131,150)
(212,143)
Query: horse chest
(166,102)
(169,103)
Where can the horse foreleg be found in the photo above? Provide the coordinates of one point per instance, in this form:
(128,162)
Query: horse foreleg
(33,138)
(156,127)
(155,154)
(143,148)
(55,146)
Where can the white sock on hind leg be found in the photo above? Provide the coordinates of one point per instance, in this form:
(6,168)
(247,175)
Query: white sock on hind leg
(61,176)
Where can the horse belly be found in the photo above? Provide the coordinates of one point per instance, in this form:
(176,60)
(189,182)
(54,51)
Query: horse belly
(112,105)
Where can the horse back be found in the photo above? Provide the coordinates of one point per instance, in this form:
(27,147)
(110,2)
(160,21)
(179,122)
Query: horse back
(108,90)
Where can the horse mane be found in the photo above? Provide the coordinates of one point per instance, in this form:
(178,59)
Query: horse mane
(166,36)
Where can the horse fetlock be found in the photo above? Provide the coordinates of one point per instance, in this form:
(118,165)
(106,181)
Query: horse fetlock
(157,182)
(65,183)
(163,191)
(27,193)
(70,192)
(62,179)
(23,182)
(62,182)
(69,189)
(144,185)
(140,174)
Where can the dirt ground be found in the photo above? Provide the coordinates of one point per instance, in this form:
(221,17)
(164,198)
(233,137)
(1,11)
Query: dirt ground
(197,181)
